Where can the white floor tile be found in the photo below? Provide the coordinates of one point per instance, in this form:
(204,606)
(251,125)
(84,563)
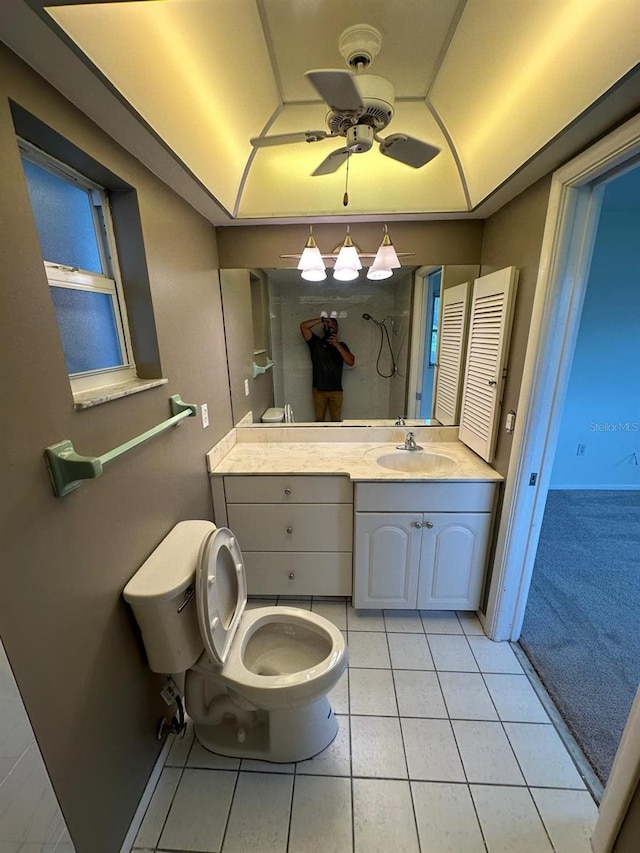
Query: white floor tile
(440,622)
(383,817)
(158,808)
(334,611)
(466,696)
(376,747)
(253,603)
(259,818)
(409,651)
(470,623)
(335,760)
(259,766)
(302,603)
(364,620)
(339,696)
(368,649)
(569,816)
(407,621)
(486,754)
(451,653)
(494,657)
(418,694)
(432,754)
(321,816)
(199,811)
(515,698)
(371,691)
(509,820)
(447,821)
(542,756)
(204,758)
(181,747)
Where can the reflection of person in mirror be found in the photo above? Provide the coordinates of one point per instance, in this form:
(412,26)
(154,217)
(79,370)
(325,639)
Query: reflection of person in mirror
(328,357)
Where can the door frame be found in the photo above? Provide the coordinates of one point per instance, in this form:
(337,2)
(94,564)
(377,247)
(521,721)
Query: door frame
(569,234)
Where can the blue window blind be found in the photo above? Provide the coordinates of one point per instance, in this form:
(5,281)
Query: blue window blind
(88,329)
(64,218)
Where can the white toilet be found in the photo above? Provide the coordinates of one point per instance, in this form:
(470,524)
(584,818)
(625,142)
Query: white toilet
(256,680)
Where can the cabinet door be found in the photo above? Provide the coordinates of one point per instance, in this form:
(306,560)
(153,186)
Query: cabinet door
(386,559)
(453,559)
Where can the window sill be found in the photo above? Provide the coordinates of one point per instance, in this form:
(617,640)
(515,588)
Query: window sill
(97,396)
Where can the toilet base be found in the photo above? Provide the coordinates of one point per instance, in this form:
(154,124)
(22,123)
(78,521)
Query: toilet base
(281,736)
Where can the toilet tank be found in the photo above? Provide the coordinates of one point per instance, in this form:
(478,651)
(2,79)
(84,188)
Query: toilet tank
(162,597)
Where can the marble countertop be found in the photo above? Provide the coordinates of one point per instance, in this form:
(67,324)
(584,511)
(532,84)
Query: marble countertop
(357,459)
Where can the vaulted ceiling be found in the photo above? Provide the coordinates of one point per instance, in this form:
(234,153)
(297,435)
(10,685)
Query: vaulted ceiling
(505,88)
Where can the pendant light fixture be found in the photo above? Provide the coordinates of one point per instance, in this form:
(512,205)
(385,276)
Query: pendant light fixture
(385,261)
(347,263)
(311,263)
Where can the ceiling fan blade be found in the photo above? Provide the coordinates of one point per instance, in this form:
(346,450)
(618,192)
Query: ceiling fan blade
(338,88)
(409,150)
(332,163)
(286,138)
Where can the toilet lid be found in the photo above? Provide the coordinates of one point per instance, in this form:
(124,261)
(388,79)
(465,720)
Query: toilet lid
(221,592)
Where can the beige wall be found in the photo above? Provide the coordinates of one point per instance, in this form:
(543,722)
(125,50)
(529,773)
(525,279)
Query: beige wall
(513,237)
(70,638)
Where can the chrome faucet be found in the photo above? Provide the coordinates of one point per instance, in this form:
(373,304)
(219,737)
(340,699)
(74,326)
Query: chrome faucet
(401,421)
(409,443)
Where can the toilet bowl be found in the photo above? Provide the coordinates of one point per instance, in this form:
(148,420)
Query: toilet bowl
(256,680)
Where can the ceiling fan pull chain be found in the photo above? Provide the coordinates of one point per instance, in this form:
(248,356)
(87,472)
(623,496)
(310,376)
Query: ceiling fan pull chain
(345,197)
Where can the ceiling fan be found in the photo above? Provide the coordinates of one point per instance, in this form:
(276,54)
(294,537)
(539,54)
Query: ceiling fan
(360,106)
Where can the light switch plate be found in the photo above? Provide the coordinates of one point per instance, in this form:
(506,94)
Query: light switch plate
(204,408)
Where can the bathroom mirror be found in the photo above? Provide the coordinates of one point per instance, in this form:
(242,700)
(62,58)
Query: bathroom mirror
(390,326)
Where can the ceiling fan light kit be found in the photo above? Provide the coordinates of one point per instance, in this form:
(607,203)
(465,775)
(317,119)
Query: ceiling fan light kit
(360,106)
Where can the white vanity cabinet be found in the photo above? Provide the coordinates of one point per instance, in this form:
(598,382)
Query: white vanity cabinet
(295,531)
(421,545)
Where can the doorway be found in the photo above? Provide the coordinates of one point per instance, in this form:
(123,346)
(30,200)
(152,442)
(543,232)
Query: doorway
(579,628)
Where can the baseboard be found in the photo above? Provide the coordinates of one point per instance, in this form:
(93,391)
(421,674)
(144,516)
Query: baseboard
(150,787)
(589,487)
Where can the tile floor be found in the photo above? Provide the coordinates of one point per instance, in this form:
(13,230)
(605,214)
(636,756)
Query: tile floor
(443,747)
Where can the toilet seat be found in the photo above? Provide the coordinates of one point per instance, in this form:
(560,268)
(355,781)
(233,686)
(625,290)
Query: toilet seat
(221,592)
(286,689)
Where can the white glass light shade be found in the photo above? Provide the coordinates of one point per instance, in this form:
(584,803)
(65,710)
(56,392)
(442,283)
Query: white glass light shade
(347,263)
(314,274)
(385,260)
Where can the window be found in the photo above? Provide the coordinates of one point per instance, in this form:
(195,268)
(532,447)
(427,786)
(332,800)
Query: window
(435,315)
(78,249)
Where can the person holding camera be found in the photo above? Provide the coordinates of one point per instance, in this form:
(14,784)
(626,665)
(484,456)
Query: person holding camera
(328,357)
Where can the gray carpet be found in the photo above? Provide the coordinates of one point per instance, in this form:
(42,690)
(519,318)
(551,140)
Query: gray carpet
(581,629)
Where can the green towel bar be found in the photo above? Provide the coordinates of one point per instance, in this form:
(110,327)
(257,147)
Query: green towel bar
(68,469)
(258,369)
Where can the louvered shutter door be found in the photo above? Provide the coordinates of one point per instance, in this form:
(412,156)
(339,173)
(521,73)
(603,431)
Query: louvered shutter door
(487,349)
(451,342)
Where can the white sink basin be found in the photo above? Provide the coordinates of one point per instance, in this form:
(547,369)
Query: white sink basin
(414,461)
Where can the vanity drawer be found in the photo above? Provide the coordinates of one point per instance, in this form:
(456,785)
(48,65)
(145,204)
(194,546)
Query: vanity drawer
(268,573)
(300,527)
(288,489)
(425,497)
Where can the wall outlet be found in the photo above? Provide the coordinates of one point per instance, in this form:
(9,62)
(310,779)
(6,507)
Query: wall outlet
(582,449)
(204,408)
(246,387)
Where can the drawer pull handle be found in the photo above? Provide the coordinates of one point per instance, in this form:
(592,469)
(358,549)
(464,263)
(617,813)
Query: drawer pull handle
(289,529)
(428,524)
(287,491)
(292,575)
